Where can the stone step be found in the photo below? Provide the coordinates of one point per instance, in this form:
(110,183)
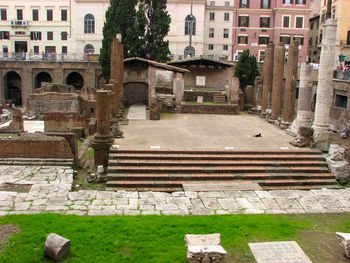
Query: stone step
(219,98)
(218,176)
(145,156)
(293,182)
(300,187)
(223,152)
(37,161)
(215,169)
(145,162)
(144,189)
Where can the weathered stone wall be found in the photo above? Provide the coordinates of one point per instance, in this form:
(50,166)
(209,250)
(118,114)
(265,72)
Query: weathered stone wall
(65,121)
(28,70)
(51,102)
(192,95)
(35,146)
(164,90)
(210,109)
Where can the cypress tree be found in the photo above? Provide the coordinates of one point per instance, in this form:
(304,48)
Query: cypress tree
(246,69)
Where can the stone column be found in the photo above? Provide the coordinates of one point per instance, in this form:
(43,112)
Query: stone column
(304,113)
(250,96)
(290,90)
(324,88)
(268,77)
(258,90)
(117,70)
(277,89)
(103,138)
(111,89)
(179,86)
(233,96)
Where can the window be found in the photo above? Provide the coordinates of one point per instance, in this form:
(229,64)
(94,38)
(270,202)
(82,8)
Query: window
(3,14)
(211,16)
(265,4)
(286,21)
(333,12)
(89,24)
(212,3)
(341,101)
(35,35)
(242,39)
(211,32)
(264,21)
(263,40)
(312,26)
(300,2)
(19,14)
(50,35)
(4,35)
(261,55)
(35,13)
(287,1)
(310,42)
(190,19)
(323,17)
(299,39)
(211,47)
(36,50)
(243,21)
(64,35)
(226,32)
(285,39)
(49,15)
(227,17)
(244,3)
(89,49)
(64,15)
(348,38)
(227,3)
(299,22)
(64,50)
(225,47)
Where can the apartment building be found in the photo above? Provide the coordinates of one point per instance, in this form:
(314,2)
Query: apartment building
(261,21)
(339,11)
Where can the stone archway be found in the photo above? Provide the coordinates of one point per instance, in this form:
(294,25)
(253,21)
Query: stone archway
(76,80)
(135,92)
(42,77)
(13,85)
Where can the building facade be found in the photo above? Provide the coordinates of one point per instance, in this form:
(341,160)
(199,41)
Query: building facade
(219,29)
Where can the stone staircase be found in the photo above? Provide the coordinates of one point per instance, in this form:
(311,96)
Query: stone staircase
(219,98)
(37,161)
(147,170)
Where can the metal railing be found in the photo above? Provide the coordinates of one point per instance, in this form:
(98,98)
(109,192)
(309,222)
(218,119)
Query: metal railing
(343,74)
(50,56)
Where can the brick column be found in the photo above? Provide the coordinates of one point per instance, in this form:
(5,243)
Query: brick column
(111,89)
(304,114)
(277,89)
(268,77)
(290,91)
(103,138)
(324,88)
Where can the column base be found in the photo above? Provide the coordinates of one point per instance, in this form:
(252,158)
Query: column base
(285,125)
(101,145)
(321,139)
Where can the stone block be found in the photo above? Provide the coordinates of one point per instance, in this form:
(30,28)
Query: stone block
(56,247)
(344,242)
(204,248)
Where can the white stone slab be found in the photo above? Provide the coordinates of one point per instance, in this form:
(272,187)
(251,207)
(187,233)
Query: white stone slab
(278,252)
(208,187)
(137,112)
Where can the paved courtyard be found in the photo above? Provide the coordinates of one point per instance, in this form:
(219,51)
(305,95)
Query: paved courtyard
(203,132)
(51,192)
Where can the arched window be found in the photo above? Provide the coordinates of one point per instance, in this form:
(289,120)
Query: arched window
(89,24)
(190,20)
(89,49)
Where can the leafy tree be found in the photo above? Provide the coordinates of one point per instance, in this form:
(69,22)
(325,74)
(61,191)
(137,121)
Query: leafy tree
(246,69)
(120,18)
(157,27)
(142,29)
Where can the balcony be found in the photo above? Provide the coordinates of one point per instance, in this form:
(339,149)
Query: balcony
(19,23)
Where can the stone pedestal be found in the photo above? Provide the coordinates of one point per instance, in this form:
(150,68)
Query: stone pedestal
(304,113)
(233,91)
(277,89)
(103,138)
(250,96)
(268,77)
(324,88)
(290,90)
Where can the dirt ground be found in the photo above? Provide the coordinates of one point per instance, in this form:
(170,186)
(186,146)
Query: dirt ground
(6,231)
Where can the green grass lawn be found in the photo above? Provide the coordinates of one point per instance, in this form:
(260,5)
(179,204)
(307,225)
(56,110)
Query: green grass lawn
(160,238)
